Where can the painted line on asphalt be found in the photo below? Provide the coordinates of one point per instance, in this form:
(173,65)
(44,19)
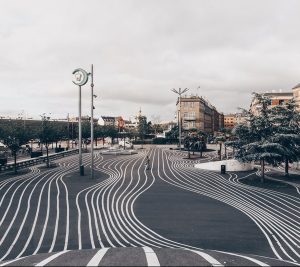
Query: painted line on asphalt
(208,258)
(260,263)
(285,230)
(97,257)
(151,257)
(51,258)
(14,260)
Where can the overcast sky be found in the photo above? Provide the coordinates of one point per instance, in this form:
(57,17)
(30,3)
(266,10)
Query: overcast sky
(142,49)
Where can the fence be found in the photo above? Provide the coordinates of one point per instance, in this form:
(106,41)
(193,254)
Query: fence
(35,161)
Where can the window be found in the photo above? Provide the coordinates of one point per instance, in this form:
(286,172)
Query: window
(192,104)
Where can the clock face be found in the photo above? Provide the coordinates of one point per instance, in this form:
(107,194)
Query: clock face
(80,77)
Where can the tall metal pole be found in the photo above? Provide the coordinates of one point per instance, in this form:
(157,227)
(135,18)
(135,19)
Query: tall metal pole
(92,121)
(179,92)
(80,78)
(68,144)
(179,116)
(81,167)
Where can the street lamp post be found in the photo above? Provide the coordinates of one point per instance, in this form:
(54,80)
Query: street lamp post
(92,121)
(68,126)
(179,92)
(80,79)
(81,166)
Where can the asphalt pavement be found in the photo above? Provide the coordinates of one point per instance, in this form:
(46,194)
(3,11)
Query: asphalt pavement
(172,206)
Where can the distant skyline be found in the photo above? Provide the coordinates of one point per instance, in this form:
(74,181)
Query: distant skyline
(140,50)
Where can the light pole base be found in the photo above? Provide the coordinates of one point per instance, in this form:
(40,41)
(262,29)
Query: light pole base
(81,169)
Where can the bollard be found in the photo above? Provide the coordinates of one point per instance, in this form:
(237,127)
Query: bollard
(223,169)
(81,170)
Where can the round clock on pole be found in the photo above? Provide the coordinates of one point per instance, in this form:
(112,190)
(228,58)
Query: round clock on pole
(80,77)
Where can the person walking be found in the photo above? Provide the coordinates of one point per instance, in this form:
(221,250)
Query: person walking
(147,163)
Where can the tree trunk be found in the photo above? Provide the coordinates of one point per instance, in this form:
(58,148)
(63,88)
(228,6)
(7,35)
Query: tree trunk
(15,162)
(262,178)
(96,141)
(286,171)
(55,145)
(47,151)
(225,151)
(220,151)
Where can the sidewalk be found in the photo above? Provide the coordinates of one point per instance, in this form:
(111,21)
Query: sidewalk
(277,174)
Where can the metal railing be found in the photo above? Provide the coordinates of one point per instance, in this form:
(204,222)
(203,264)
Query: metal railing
(35,161)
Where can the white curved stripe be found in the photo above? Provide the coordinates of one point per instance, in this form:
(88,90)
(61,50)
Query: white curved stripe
(151,257)
(12,261)
(258,262)
(51,258)
(97,257)
(208,258)
(199,192)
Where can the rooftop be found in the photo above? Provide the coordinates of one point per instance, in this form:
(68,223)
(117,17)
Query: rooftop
(297,86)
(279,94)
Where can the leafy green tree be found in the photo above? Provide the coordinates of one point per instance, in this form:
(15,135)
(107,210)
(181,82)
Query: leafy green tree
(99,133)
(132,133)
(86,132)
(156,128)
(60,132)
(254,140)
(286,132)
(143,127)
(187,143)
(221,140)
(47,134)
(173,133)
(14,136)
(111,131)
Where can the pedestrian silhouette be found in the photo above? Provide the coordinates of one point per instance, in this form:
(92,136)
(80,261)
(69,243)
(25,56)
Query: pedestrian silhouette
(147,163)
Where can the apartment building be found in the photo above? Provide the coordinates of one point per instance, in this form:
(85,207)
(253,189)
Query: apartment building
(230,120)
(233,119)
(197,113)
(107,121)
(278,98)
(296,95)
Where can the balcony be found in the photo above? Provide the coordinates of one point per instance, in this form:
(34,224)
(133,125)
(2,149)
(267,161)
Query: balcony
(189,118)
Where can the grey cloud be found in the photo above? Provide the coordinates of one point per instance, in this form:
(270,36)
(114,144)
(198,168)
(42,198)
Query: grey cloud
(142,49)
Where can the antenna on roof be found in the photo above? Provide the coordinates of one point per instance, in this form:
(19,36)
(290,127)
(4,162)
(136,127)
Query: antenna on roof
(198,90)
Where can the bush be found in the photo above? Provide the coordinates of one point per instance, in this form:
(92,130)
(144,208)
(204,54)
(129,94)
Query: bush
(171,141)
(59,149)
(36,154)
(142,142)
(159,141)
